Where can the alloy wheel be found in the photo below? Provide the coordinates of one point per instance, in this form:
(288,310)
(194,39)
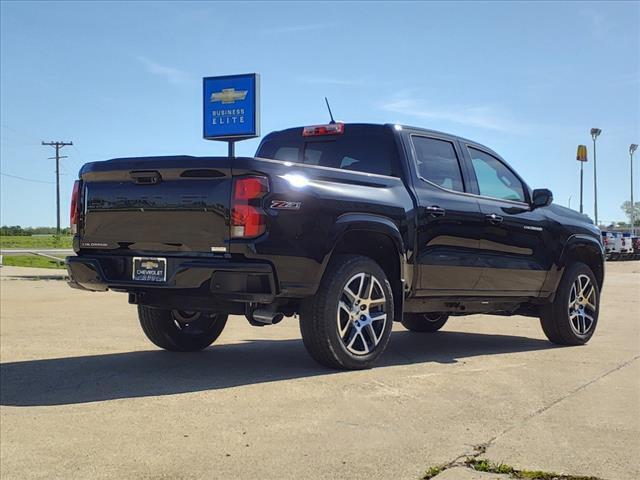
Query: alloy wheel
(582,306)
(362,314)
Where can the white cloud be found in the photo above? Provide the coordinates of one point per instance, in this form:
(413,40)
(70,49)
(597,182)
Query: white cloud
(481,116)
(343,82)
(171,74)
(597,22)
(299,28)
(626,79)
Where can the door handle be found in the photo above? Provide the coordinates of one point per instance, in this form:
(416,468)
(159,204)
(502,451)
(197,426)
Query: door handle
(435,211)
(494,219)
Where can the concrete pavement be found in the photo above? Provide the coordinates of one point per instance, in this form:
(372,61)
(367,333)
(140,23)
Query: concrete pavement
(84,394)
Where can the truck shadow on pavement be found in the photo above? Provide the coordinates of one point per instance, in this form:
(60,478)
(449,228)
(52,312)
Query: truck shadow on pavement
(63,381)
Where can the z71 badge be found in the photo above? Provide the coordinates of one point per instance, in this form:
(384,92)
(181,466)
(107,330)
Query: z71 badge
(285,205)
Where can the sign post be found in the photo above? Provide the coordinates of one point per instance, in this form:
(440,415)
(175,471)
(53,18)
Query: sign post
(581,156)
(231,108)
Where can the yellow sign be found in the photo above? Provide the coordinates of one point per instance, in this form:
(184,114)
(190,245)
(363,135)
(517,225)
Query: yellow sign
(581,155)
(228,95)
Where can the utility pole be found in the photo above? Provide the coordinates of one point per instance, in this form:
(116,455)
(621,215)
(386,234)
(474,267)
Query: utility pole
(632,148)
(58,146)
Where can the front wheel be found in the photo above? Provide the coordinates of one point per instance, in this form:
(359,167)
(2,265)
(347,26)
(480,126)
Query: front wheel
(347,324)
(424,322)
(180,331)
(572,317)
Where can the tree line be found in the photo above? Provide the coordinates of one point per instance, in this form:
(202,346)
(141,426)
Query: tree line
(17,230)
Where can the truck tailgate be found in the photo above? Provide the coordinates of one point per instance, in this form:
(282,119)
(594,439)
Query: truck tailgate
(159,204)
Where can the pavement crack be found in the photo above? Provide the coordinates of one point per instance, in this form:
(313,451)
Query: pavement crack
(468,459)
(560,399)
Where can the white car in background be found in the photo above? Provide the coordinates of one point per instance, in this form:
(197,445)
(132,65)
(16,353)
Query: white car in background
(626,249)
(612,243)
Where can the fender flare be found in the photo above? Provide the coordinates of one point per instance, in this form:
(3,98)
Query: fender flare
(366,222)
(349,222)
(580,240)
(574,242)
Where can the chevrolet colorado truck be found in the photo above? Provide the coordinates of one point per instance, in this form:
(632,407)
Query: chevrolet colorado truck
(348,226)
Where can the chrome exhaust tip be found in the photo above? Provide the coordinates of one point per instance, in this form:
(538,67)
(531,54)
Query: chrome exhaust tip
(266,317)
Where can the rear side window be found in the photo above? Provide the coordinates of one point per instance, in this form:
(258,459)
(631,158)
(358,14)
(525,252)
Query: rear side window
(362,148)
(286,149)
(437,162)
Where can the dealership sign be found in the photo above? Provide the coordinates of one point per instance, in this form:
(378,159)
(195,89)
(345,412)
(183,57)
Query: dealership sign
(231,107)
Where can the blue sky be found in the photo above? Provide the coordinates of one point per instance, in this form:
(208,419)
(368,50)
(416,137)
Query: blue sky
(124,79)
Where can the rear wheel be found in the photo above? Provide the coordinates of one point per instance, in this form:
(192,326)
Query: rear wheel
(572,317)
(424,322)
(179,330)
(347,324)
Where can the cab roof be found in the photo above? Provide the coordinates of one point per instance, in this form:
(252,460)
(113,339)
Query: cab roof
(394,126)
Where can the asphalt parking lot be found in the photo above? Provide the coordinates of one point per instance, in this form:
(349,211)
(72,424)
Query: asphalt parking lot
(83,394)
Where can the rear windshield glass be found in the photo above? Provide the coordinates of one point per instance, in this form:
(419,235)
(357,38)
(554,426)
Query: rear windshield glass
(363,148)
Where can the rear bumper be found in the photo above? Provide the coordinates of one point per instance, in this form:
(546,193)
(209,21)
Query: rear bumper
(224,279)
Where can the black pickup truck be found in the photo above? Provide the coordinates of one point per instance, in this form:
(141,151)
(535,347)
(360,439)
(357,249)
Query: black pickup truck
(349,226)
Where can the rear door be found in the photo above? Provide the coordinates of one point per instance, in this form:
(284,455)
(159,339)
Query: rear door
(448,219)
(513,236)
(160,204)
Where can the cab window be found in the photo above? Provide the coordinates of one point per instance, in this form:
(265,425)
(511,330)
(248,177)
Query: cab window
(438,163)
(362,148)
(286,149)
(494,177)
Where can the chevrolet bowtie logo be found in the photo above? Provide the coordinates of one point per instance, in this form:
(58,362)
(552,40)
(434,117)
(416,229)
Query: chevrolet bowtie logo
(149,265)
(228,95)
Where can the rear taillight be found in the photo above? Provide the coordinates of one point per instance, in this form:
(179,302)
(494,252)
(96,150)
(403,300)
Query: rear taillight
(73,215)
(248,219)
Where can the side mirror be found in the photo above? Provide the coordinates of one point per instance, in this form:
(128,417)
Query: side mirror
(542,197)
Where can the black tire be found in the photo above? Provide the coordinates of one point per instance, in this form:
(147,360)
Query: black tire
(180,331)
(424,322)
(562,323)
(322,317)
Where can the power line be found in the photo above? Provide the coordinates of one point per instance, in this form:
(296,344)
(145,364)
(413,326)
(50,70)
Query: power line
(80,156)
(24,178)
(58,146)
(27,138)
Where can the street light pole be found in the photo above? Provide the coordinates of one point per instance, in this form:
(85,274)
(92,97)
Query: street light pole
(581,181)
(632,148)
(594,134)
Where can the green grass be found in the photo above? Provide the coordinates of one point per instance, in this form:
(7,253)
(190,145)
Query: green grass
(432,472)
(482,465)
(30,261)
(487,466)
(48,241)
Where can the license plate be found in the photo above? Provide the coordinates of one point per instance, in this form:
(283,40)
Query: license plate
(146,269)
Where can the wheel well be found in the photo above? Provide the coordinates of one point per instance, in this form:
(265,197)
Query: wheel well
(377,246)
(383,250)
(589,255)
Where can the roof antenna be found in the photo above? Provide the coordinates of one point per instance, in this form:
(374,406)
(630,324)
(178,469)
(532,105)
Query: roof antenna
(329,108)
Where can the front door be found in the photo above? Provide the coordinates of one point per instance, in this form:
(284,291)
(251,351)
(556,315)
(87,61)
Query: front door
(513,235)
